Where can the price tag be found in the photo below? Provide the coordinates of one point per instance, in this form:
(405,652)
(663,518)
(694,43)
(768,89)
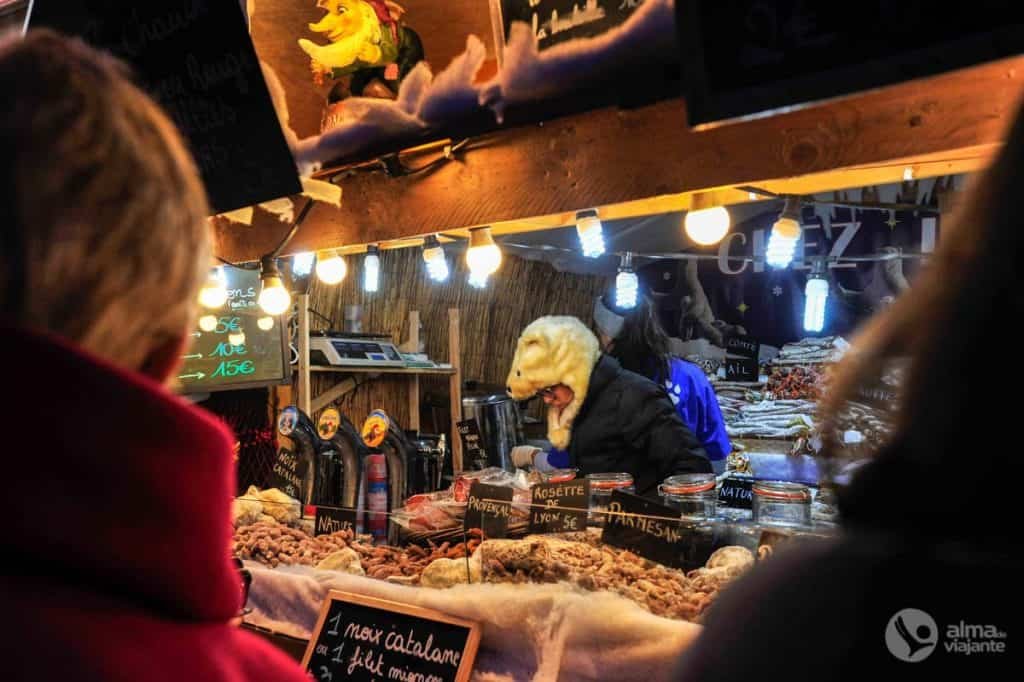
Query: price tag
(737,492)
(489,509)
(560,507)
(330,520)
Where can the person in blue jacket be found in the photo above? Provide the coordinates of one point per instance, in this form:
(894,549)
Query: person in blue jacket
(637,340)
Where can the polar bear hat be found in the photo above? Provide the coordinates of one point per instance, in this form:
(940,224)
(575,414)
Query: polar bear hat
(555,350)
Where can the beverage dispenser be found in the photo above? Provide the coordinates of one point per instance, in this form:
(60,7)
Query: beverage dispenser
(295,467)
(343,447)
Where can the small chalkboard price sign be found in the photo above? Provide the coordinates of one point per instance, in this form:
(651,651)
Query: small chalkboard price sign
(646,528)
(329,520)
(741,361)
(363,639)
(473,455)
(489,509)
(560,507)
(737,492)
(288,472)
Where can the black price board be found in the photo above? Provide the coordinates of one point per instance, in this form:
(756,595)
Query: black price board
(560,507)
(329,520)
(656,532)
(556,21)
(362,639)
(214,363)
(737,492)
(742,369)
(288,472)
(489,509)
(743,346)
(196,58)
(473,453)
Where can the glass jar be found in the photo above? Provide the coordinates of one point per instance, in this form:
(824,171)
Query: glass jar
(694,495)
(601,487)
(782,504)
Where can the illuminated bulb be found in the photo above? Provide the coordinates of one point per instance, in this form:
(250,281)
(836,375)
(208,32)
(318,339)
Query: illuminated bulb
(371,270)
(208,323)
(815,296)
(752,196)
(591,233)
(330,267)
(483,256)
(785,234)
(706,224)
(626,284)
(236,338)
(274,299)
(477,280)
(214,293)
(908,174)
(265,323)
(302,264)
(437,264)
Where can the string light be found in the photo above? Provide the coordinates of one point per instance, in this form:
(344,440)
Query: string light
(815,297)
(265,323)
(483,256)
(274,299)
(478,280)
(214,293)
(591,233)
(302,263)
(208,323)
(626,284)
(706,223)
(437,264)
(330,267)
(371,269)
(908,173)
(785,234)
(236,338)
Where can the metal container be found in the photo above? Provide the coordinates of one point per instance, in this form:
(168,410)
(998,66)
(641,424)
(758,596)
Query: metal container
(497,417)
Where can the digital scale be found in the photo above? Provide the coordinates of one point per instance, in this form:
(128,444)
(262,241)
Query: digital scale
(337,349)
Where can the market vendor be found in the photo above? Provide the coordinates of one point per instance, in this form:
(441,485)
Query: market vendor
(605,418)
(637,340)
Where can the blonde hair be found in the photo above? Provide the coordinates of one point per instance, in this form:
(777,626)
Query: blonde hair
(108,240)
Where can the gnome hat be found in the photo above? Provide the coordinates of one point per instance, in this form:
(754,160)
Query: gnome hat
(555,350)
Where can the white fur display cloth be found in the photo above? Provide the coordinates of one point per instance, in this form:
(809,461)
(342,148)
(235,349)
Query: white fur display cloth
(530,632)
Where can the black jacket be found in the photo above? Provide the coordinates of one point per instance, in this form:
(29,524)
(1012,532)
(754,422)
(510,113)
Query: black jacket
(628,424)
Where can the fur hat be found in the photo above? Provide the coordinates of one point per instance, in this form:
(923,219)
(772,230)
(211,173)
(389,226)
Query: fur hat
(555,350)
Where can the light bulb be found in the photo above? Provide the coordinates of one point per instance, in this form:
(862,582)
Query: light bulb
(274,298)
(302,264)
(208,323)
(236,338)
(908,173)
(483,256)
(265,323)
(437,264)
(330,267)
(371,270)
(591,233)
(706,223)
(626,284)
(214,293)
(815,296)
(785,235)
(478,280)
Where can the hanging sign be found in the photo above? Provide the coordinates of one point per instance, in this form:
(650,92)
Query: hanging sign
(489,509)
(560,507)
(363,639)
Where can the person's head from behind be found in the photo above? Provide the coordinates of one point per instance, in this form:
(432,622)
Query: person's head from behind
(633,336)
(106,241)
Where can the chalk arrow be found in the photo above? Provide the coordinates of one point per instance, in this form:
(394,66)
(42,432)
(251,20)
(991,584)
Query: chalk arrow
(197,375)
(194,356)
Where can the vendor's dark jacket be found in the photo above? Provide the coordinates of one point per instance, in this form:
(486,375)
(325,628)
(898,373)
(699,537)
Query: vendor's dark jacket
(117,540)
(628,424)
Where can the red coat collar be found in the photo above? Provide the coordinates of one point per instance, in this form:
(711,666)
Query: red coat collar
(115,484)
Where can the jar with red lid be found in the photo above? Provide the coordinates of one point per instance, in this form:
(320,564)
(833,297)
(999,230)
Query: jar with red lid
(601,487)
(694,495)
(780,503)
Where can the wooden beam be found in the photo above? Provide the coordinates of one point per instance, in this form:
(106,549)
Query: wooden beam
(414,381)
(336,391)
(302,392)
(612,158)
(455,386)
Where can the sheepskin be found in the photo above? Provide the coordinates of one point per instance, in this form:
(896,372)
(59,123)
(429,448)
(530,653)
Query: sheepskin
(555,350)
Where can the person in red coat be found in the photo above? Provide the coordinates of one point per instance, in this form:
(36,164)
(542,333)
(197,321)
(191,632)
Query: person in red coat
(116,545)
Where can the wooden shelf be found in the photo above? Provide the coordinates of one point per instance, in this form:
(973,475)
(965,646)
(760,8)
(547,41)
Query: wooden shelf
(417,371)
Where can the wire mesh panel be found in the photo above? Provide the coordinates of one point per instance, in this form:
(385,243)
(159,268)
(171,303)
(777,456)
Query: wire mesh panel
(247,413)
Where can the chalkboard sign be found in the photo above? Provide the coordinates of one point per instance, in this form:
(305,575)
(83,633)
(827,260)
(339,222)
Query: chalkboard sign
(743,346)
(288,471)
(489,509)
(751,57)
(363,639)
(560,507)
(473,454)
(741,359)
(213,363)
(646,528)
(737,492)
(329,520)
(556,21)
(195,57)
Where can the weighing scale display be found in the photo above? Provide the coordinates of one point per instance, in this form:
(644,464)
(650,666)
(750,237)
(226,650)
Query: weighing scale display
(359,350)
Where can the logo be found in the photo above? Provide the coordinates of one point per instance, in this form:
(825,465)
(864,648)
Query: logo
(328,423)
(287,421)
(912,635)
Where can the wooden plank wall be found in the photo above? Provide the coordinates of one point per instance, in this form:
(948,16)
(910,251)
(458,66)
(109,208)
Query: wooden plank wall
(492,319)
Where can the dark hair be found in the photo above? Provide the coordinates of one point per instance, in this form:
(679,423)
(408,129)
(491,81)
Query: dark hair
(643,345)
